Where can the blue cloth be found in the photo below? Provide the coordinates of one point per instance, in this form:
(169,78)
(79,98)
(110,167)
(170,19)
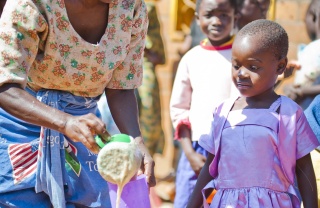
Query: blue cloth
(51,157)
(46,163)
(22,198)
(186,178)
(313,116)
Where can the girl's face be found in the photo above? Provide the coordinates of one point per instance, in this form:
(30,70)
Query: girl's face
(254,70)
(216,19)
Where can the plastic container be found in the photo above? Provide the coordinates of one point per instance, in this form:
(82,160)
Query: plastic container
(115,138)
(135,194)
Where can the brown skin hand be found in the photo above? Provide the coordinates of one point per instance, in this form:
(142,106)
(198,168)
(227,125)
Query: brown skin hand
(77,128)
(123,107)
(91,16)
(86,16)
(195,159)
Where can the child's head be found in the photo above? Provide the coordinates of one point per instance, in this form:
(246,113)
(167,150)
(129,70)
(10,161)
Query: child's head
(259,55)
(252,10)
(312,20)
(216,19)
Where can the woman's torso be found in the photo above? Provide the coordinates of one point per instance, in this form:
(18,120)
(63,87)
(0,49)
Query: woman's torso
(71,63)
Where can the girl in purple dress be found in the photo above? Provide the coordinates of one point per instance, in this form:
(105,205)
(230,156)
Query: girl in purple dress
(259,142)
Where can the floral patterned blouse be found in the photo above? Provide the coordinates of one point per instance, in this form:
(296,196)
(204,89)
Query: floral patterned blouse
(39,47)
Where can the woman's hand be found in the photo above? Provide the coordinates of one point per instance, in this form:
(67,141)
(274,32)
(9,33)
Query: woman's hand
(77,128)
(83,129)
(147,166)
(124,109)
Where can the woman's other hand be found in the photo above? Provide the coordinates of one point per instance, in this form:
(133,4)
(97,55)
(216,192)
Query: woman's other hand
(147,166)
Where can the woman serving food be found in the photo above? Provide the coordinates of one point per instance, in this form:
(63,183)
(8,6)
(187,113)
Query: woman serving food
(57,58)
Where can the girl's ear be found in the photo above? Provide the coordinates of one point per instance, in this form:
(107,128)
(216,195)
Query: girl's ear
(282,65)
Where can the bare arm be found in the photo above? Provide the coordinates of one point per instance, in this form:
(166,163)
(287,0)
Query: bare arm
(196,199)
(124,109)
(196,160)
(311,90)
(22,105)
(300,92)
(32,110)
(307,182)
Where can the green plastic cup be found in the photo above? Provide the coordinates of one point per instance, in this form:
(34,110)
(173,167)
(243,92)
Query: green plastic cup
(114,138)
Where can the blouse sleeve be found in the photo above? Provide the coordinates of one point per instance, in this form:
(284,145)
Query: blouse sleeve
(306,139)
(129,74)
(23,31)
(180,100)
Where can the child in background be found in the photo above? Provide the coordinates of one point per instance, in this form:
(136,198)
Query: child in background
(306,83)
(202,81)
(252,10)
(259,141)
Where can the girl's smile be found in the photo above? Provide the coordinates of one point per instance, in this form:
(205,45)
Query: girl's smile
(216,18)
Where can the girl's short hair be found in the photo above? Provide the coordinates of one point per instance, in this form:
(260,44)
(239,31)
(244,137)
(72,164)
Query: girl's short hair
(271,36)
